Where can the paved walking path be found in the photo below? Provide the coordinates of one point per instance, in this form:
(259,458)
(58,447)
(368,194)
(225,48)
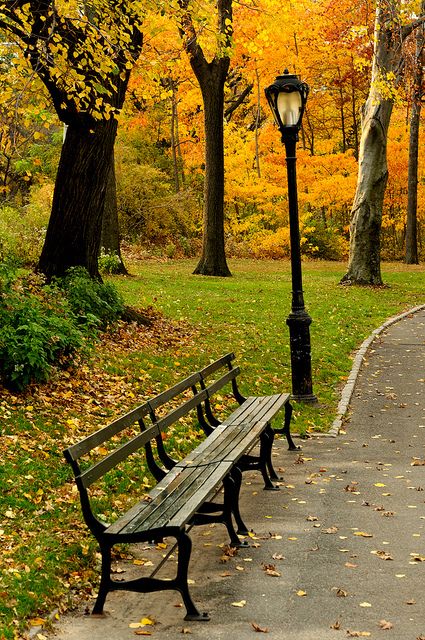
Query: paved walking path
(338,552)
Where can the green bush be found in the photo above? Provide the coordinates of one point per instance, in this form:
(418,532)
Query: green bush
(22,229)
(42,326)
(93,302)
(109,262)
(37,330)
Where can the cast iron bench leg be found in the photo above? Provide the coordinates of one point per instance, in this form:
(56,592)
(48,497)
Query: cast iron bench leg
(230,506)
(185,548)
(286,429)
(266,443)
(105,579)
(242,529)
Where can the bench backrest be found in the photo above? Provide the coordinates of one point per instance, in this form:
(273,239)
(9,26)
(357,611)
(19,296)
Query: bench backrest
(150,432)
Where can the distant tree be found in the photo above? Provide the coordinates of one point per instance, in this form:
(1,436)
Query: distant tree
(418,93)
(211,76)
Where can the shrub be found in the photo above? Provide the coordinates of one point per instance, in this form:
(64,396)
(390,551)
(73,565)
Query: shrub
(37,329)
(22,229)
(93,302)
(109,262)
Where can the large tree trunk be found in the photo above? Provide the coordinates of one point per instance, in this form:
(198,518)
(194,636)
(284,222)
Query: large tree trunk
(366,214)
(213,259)
(74,231)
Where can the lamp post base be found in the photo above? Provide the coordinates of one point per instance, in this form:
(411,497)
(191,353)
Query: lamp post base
(299,336)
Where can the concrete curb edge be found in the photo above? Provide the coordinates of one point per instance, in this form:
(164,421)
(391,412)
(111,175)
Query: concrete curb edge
(348,390)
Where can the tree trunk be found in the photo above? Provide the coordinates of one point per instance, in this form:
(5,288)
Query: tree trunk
(110,238)
(213,260)
(366,213)
(211,77)
(364,266)
(411,256)
(74,231)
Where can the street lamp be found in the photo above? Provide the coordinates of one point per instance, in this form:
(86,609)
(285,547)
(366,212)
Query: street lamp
(287,97)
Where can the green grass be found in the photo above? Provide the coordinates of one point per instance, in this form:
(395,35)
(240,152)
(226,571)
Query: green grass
(247,314)
(46,553)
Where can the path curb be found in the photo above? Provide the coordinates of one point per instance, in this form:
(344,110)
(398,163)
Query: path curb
(347,392)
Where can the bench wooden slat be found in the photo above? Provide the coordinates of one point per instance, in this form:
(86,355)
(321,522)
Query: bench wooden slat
(181,411)
(245,440)
(221,382)
(262,408)
(156,514)
(97,438)
(218,448)
(175,390)
(214,366)
(99,469)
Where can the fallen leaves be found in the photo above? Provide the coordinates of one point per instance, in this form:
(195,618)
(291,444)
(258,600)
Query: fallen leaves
(270,570)
(384,624)
(259,629)
(239,604)
(363,534)
(382,554)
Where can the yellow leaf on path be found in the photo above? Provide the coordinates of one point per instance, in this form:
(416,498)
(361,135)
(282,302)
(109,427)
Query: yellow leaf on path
(384,624)
(363,534)
(242,603)
(37,622)
(146,621)
(365,604)
(301,593)
(380,484)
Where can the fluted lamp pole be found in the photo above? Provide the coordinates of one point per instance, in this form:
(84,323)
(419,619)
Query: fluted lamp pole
(287,97)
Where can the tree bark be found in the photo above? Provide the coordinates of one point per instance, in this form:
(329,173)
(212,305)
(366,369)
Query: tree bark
(75,225)
(110,236)
(366,213)
(211,77)
(213,260)
(411,255)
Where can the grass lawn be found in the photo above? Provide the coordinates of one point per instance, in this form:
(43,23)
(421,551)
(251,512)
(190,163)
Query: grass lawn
(46,556)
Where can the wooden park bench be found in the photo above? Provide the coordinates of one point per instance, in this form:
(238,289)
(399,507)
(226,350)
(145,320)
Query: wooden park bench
(185,489)
(215,377)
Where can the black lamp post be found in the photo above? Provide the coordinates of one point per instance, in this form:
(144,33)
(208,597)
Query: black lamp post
(287,97)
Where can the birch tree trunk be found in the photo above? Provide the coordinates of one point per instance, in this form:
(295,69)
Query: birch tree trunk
(366,214)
